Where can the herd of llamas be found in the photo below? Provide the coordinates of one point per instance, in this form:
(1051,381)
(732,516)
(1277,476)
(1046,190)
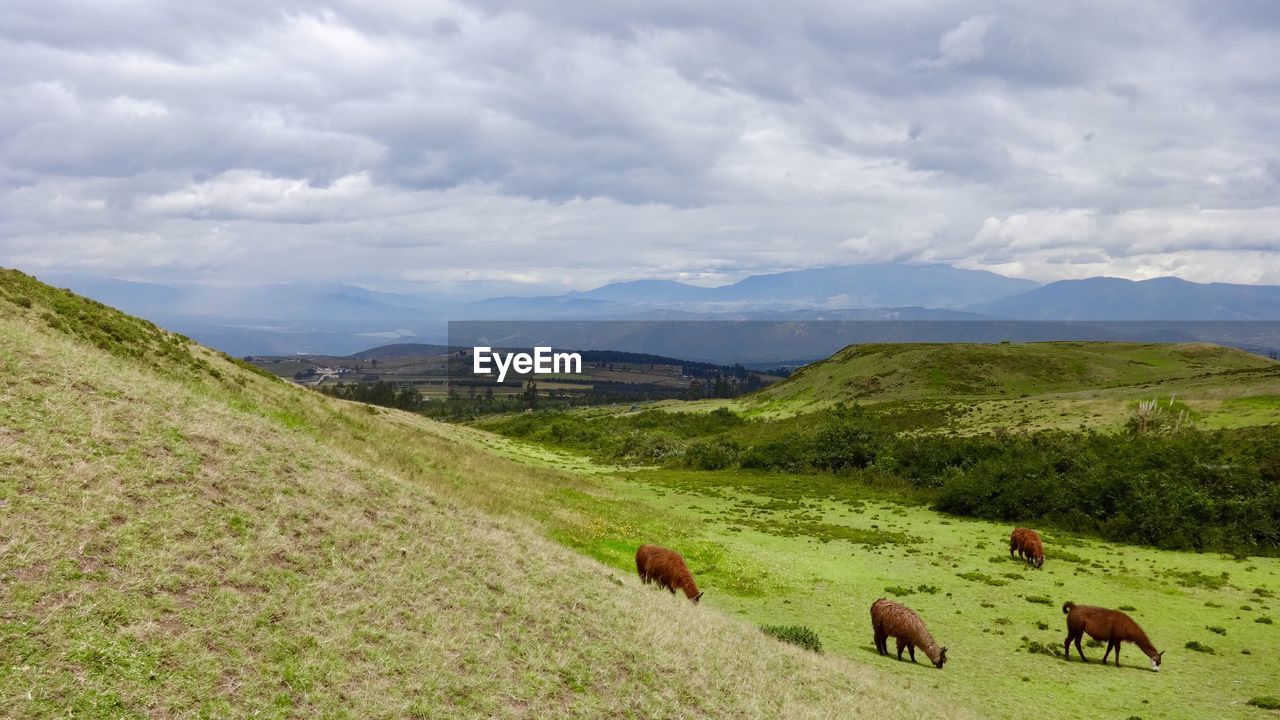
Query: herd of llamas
(891,619)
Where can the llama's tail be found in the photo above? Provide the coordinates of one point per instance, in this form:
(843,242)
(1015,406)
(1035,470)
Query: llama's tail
(1067,606)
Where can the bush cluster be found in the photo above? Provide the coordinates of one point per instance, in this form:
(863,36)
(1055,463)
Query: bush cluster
(1185,489)
(796,635)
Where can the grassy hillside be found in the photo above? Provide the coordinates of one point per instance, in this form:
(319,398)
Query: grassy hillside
(1042,385)
(831,548)
(817,549)
(181,536)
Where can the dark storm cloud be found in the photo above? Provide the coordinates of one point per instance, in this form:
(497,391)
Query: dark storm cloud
(569,143)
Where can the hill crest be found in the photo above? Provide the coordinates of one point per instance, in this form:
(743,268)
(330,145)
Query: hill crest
(935,371)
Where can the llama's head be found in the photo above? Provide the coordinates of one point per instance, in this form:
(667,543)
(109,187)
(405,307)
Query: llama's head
(1038,561)
(1155,661)
(696,598)
(942,659)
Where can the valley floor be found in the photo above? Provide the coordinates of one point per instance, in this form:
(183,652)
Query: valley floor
(785,549)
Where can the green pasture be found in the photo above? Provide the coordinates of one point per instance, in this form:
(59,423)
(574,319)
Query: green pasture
(776,551)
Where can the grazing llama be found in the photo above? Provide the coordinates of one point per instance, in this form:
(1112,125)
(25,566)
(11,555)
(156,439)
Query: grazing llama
(1026,543)
(893,619)
(666,567)
(1112,626)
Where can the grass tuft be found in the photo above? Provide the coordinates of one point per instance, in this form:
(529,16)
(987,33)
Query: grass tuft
(1266,702)
(796,635)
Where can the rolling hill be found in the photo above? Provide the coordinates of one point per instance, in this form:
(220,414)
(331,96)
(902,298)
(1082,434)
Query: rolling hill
(184,536)
(1050,384)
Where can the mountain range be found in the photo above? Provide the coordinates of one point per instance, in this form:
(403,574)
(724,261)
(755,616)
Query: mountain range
(337,318)
(1164,298)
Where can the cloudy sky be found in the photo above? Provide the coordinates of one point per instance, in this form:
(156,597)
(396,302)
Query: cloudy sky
(563,143)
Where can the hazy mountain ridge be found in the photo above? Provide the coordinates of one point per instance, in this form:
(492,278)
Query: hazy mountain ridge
(334,318)
(842,287)
(1164,298)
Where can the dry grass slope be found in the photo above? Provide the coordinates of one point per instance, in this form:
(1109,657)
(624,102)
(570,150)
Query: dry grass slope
(183,537)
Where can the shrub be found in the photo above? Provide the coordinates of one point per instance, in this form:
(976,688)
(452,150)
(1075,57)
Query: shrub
(982,578)
(1266,702)
(1216,629)
(712,454)
(1190,489)
(1187,490)
(1153,417)
(1264,620)
(1195,578)
(1067,556)
(1038,599)
(1198,647)
(1038,648)
(844,438)
(796,635)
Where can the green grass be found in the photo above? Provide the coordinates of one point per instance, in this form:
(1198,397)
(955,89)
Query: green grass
(770,575)
(971,388)
(774,577)
(189,541)
(828,586)
(184,543)
(951,371)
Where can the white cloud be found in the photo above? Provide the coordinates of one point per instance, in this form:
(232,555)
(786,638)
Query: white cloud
(962,44)
(569,144)
(1236,245)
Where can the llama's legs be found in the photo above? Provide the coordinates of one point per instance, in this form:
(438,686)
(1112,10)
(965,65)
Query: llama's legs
(882,643)
(1110,646)
(1117,653)
(911,649)
(901,647)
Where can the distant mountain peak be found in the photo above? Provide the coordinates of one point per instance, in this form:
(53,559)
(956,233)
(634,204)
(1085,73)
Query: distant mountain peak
(1160,298)
(874,285)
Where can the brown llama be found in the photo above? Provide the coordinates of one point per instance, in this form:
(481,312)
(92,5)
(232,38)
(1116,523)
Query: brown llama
(1112,626)
(666,567)
(1026,542)
(893,619)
